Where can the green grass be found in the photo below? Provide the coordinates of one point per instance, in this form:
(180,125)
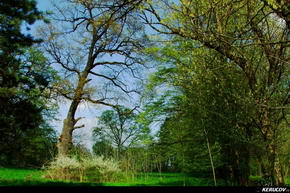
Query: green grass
(30,177)
(22,177)
(26,177)
(163,179)
(288,181)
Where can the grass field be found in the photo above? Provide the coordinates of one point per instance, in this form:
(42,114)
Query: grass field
(26,177)
(30,177)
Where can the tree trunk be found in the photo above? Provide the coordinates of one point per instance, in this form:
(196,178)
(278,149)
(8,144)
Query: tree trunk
(118,152)
(279,177)
(210,157)
(241,166)
(65,139)
(273,169)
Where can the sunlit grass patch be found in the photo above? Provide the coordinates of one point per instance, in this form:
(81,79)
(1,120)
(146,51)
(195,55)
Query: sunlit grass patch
(32,177)
(26,177)
(19,174)
(163,179)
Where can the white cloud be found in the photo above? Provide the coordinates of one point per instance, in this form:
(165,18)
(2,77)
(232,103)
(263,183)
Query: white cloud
(84,135)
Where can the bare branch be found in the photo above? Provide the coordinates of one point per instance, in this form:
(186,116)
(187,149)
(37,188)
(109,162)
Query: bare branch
(100,102)
(78,127)
(77,119)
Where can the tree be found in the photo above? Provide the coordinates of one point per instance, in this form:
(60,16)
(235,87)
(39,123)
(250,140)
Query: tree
(13,15)
(281,8)
(247,35)
(25,78)
(200,83)
(36,148)
(119,127)
(94,42)
(25,112)
(103,147)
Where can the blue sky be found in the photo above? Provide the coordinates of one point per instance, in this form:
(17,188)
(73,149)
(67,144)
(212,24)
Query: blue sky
(43,4)
(89,111)
(86,110)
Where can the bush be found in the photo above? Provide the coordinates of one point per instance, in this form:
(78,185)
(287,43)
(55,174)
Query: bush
(106,169)
(88,169)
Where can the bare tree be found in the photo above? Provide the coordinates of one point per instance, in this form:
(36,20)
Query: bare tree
(94,44)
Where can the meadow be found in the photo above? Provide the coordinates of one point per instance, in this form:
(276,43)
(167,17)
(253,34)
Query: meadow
(33,177)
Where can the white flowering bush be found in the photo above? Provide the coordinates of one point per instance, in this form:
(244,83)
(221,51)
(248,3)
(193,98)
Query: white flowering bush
(62,162)
(90,169)
(64,168)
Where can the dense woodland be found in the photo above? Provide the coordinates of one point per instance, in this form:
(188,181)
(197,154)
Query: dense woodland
(198,87)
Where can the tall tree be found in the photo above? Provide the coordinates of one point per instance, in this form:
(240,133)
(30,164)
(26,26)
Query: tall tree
(252,38)
(14,14)
(25,78)
(94,42)
(203,83)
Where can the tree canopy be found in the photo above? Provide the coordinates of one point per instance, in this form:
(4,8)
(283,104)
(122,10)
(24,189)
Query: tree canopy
(25,78)
(198,87)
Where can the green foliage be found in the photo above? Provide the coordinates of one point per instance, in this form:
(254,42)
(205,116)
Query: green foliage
(220,93)
(118,128)
(103,148)
(26,137)
(12,15)
(220,63)
(206,93)
(25,79)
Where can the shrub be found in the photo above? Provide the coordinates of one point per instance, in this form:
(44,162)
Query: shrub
(106,169)
(64,168)
(89,169)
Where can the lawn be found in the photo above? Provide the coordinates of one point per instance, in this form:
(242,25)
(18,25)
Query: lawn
(164,179)
(30,177)
(26,177)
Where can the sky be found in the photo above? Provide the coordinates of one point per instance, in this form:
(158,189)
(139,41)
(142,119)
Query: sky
(82,135)
(89,111)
